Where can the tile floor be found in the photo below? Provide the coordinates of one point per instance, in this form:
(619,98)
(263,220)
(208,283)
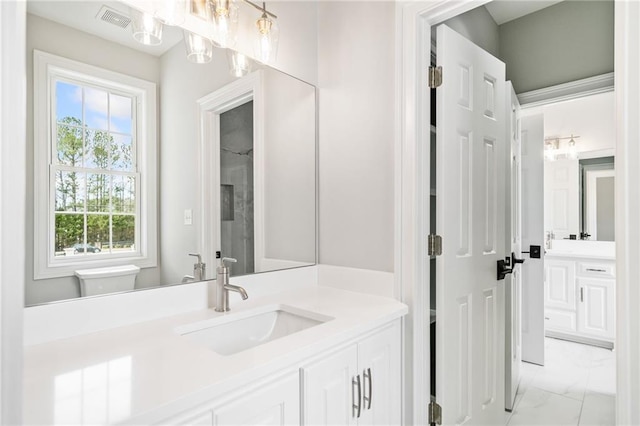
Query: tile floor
(575,387)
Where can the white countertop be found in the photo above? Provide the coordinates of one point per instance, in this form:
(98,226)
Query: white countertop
(580,249)
(579,255)
(141,373)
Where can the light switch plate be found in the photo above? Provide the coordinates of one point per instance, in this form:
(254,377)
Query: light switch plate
(188,217)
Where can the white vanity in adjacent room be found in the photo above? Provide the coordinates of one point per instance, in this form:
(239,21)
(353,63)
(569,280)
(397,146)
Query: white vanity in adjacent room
(580,291)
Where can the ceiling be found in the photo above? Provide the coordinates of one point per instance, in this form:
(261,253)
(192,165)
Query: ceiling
(504,11)
(82,15)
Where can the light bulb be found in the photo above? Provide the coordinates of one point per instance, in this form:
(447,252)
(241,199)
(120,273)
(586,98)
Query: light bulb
(267,42)
(225,22)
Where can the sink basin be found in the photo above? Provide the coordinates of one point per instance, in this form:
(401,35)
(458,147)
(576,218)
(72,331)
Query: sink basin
(237,332)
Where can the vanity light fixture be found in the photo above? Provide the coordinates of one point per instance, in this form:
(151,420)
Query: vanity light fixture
(239,64)
(224,15)
(199,48)
(146,29)
(552,147)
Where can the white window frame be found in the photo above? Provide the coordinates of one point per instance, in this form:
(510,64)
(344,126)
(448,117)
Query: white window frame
(47,69)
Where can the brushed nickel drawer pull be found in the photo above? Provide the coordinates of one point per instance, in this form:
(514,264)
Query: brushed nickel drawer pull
(596,270)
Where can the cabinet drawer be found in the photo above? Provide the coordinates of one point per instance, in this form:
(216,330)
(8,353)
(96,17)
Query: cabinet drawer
(560,320)
(597,269)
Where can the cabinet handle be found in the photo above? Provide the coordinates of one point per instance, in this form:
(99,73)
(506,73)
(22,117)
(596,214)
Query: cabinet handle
(367,376)
(582,294)
(357,403)
(596,270)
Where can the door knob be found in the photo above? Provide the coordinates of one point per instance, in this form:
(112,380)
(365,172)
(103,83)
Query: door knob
(515,260)
(503,270)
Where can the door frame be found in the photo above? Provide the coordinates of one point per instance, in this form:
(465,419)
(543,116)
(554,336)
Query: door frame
(13,160)
(210,107)
(414,20)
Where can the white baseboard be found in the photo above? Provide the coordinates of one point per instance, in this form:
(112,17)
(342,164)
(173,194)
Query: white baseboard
(368,281)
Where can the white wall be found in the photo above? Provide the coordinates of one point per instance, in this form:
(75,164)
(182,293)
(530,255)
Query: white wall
(356,63)
(564,42)
(290,164)
(60,40)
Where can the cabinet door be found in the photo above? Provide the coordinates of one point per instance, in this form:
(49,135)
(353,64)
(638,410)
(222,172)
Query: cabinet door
(560,284)
(596,309)
(328,391)
(380,372)
(276,404)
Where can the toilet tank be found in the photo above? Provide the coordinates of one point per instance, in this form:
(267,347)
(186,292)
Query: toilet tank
(110,279)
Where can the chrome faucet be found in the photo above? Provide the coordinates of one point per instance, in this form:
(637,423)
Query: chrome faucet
(223,287)
(199,268)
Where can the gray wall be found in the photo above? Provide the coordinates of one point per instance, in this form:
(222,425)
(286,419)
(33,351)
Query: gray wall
(562,43)
(478,25)
(605,209)
(60,40)
(356,63)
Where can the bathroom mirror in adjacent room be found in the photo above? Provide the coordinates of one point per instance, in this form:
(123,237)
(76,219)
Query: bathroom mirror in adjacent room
(265,201)
(579,167)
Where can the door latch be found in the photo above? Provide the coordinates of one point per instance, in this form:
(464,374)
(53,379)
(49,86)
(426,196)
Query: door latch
(503,270)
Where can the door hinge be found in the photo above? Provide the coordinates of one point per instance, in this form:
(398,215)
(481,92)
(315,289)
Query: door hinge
(435,77)
(434,245)
(435,414)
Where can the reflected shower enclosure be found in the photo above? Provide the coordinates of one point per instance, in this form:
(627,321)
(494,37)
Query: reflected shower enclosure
(236,187)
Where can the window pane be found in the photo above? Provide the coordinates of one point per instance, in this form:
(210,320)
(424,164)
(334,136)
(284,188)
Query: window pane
(69,234)
(98,147)
(70,191)
(120,113)
(69,143)
(98,189)
(68,102)
(124,231)
(95,108)
(124,194)
(122,153)
(97,233)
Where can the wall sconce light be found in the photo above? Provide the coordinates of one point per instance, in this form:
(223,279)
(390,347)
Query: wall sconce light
(239,64)
(146,29)
(225,22)
(199,48)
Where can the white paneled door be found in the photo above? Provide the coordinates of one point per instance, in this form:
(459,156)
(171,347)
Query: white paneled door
(532,144)
(513,221)
(470,218)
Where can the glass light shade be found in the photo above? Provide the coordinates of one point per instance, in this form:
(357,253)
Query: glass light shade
(572,152)
(146,29)
(224,14)
(239,64)
(266,44)
(199,48)
(173,12)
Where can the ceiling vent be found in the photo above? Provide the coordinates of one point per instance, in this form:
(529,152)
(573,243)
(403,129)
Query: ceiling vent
(113,17)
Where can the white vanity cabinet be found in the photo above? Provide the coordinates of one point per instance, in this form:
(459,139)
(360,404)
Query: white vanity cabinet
(358,385)
(580,298)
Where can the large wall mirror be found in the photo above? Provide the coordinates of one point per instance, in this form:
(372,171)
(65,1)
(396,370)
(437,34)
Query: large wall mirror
(579,168)
(239,177)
